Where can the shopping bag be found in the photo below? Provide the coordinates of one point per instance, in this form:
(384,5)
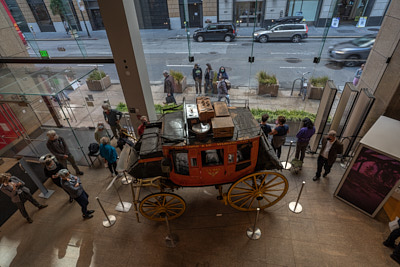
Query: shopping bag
(393,225)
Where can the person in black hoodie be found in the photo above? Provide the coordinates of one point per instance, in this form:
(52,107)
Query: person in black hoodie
(197,77)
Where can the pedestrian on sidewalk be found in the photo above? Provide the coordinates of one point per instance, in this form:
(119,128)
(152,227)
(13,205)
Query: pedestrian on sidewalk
(112,117)
(223,91)
(197,74)
(208,79)
(51,169)
(331,147)
(390,243)
(279,135)
(72,184)
(264,125)
(15,188)
(169,87)
(303,138)
(222,71)
(109,153)
(358,75)
(57,146)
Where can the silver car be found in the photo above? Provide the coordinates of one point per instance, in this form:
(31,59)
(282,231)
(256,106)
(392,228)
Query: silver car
(352,53)
(294,32)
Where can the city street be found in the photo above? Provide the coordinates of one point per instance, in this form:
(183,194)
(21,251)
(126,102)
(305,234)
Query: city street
(284,59)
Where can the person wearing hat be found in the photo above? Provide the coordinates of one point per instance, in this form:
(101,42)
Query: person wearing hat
(197,74)
(331,147)
(19,193)
(112,117)
(72,184)
(51,168)
(169,87)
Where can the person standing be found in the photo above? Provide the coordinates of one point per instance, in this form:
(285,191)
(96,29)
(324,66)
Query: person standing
(72,184)
(109,153)
(358,75)
(51,169)
(197,74)
(390,243)
(279,135)
(112,117)
(222,90)
(100,132)
(169,87)
(264,125)
(331,147)
(142,126)
(57,146)
(208,79)
(303,138)
(15,188)
(222,71)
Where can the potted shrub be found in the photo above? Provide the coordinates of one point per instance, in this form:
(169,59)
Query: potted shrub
(98,81)
(215,83)
(180,81)
(316,86)
(267,84)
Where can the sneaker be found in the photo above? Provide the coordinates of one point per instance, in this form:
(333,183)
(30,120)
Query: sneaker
(42,206)
(29,220)
(90,211)
(79,173)
(387,244)
(87,216)
(324,175)
(315,178)
(71,200)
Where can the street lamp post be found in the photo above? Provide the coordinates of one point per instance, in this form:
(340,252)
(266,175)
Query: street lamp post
(81,8)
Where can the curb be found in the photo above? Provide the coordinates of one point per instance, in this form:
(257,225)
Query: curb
(249,37)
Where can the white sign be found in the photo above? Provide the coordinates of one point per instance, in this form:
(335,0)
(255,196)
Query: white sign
(4,127)
(335,22)
(361,22)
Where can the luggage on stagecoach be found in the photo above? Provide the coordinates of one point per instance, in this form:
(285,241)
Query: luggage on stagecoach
(222,127)
(221,109)
(205,109)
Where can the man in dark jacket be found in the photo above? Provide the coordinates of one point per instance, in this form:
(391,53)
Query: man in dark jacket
(19,193)
(169,87)
(264,124)
(112,117)
(197,74)
(57,146)
(331,147)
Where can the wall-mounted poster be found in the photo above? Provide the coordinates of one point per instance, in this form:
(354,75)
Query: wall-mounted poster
(371,178)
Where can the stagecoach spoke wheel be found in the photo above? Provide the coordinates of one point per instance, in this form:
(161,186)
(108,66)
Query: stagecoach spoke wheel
(156,206)
(257,190)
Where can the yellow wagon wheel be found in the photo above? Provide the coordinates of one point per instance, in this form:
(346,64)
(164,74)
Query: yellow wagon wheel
(156,206)
(257,190)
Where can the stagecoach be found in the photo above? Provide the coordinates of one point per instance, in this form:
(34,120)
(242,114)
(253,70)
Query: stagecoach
(205,144)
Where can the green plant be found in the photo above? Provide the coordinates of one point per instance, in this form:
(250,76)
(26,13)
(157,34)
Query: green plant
(177,75)
(215,78)
(122,107)
(319,81)
(290,115)
(167,108)
(264,78)
(96,75)
(57,8)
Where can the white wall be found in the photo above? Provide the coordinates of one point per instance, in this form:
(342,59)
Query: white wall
(225,10)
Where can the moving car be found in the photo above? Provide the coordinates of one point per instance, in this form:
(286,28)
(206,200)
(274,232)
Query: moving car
(294,32)
(216,32)
(352,53)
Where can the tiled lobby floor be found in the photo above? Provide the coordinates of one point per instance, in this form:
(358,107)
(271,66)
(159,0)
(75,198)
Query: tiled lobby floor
(327,233)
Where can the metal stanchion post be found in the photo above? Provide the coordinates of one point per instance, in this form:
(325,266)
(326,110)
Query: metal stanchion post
(122,206)
(295,206)
(255,232)
(287,165)
(127,178)
(171,239)
(110,219)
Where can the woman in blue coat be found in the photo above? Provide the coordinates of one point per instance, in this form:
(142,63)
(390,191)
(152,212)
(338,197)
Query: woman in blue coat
(109,153)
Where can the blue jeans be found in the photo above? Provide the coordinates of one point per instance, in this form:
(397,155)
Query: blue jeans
(83,201)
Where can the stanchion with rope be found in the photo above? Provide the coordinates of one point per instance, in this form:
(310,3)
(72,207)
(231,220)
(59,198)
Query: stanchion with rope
(127,179)
(286,164)
(110,219)
(295,206)
(255,232)
(121,206)
(171,239)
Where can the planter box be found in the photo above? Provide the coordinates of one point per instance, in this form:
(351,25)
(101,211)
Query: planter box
(180,87)
(215,89)
(265,89)
(99,85)
(314,92)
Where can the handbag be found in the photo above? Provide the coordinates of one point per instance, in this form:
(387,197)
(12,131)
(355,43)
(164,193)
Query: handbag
(170,99)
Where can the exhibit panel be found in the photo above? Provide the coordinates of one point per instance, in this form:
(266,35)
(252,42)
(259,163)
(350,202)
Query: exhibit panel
(374,172)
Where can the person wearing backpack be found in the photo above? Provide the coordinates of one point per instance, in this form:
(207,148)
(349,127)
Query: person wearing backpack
(197,74)
(223,91)
(109,153)
(208,79)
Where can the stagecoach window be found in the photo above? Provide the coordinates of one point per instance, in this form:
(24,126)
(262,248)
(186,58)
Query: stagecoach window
(181,163)
(231,158)
(243,156)
(212,157)
(193,162)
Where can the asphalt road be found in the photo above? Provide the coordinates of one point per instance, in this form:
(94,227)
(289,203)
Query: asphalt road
(284,59)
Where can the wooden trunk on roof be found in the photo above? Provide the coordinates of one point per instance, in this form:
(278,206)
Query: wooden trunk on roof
(222,127)
(205,109)
(221,109)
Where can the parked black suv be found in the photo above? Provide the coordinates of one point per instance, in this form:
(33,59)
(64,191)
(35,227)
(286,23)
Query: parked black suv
(216,32)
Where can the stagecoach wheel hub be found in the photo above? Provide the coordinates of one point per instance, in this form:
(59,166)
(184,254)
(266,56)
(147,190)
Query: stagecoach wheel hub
(158,206)
(257,190)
